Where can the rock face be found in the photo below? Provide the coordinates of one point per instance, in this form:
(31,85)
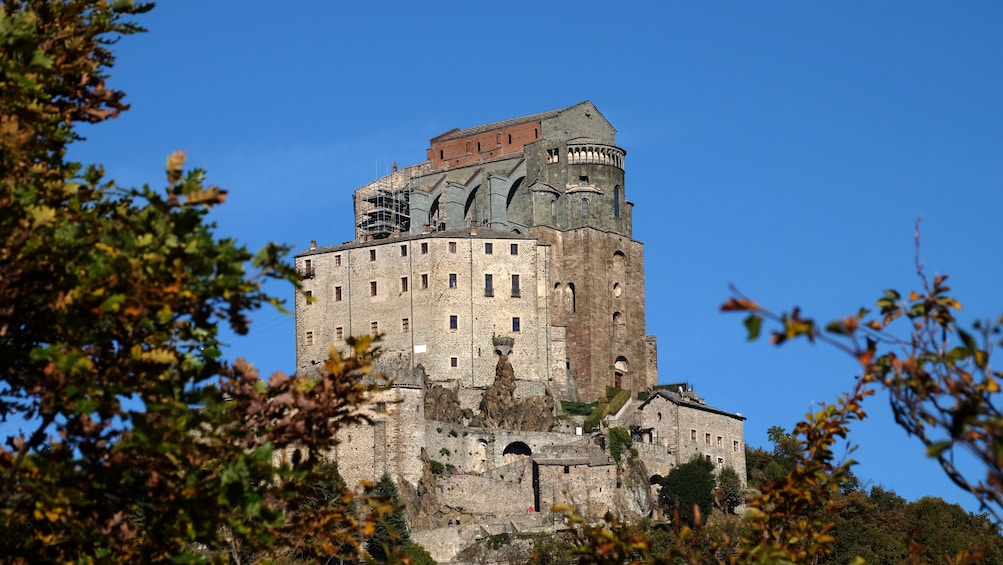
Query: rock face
(500,409)
(443,404)
(634,499)
(421,501)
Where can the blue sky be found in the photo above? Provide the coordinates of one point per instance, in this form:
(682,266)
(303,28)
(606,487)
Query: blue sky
(787,147)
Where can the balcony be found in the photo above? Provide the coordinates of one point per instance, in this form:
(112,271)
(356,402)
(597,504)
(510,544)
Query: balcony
(306,273)
(596,154)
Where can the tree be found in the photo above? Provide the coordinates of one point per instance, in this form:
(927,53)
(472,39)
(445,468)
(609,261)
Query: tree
(688,490)
(142,445)
(391,530)
(731,489)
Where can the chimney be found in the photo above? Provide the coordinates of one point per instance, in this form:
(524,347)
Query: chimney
(473,230)
(313,244)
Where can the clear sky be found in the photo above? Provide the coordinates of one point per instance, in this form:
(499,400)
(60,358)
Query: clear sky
(787,147)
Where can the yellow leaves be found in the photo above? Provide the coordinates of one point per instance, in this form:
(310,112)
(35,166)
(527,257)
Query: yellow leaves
(156,355)
(40,215)
(175,163)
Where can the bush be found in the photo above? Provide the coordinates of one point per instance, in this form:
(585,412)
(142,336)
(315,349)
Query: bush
(619,440)
(437,468)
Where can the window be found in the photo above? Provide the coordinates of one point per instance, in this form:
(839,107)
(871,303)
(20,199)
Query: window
(454,322)
(307,268)
(372,288)
(403,284)
(583,180)
(441,153)
(489,285)
(567,469)
(720,441)
(706,438)
(337,260)
(337,294)
(478,146)
(515,286)
(452,280)
(452,247)
(405,325)
(720,463)
(454,362)
(308,338)
(309,295)
(339,333)
(403,251)
(513,249)
(734,445)
(516,324)
(424,280)
(381,407)
(372,254)
(585,207)
(374,329)
(693,435)
(424,247)
(553,155)
(616,202)
(510,139)
(488,248)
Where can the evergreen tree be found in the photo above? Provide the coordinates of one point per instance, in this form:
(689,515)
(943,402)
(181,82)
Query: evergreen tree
(687,486)
(731,488)
(391,529)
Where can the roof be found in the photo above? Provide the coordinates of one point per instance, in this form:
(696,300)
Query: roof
(680,401)
(480,232)
(461,133)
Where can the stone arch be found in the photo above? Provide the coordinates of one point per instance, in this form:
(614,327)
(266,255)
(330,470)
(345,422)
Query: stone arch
(570,301)
(621,369)
(519,203)
(468,212)
(655,480)
(619,326)
(511,191)
(619,260)
(516,451)
(433,212)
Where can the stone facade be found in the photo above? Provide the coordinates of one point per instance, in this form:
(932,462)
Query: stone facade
(510,246)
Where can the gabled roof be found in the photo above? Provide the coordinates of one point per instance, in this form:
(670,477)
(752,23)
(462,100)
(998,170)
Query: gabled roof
(681,401)
(461,133)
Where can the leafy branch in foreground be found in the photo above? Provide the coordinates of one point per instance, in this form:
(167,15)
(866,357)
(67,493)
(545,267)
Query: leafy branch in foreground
(938,374)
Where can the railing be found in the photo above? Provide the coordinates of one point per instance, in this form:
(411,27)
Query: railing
(305,273)
(596,154)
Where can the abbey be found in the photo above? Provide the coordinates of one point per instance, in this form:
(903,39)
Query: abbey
(502,272)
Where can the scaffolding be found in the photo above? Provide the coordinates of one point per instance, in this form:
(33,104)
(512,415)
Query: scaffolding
(382,208)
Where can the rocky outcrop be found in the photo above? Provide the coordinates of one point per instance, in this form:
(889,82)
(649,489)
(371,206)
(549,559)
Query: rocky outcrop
(500,409)
(443,404)
(421,501)
(634,498)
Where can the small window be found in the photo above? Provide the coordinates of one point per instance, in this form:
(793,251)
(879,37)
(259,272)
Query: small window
(381,407)
(734,445)
(488,249)
(308,338)
(585,207)
(567,469)
(441,153)
(424,247)
(424,280)
(337,294)
(513,249)
(452,247)
(403,284)
(583,180)
(372,254)
(489,289)
(536,133)
(405,325)
(454,362)
(452,280)
(720,463)
(516,324)
(478,146)
(372,288)
(339,333)
(454,322)
(308,267)
(515,286)
(693,435)
(720,441)
(309,295)
(374,328)
(616,202)
(337,260)
(706,438)
(510,139)
(403,251)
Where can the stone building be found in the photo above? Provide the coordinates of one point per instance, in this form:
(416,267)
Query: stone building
(508,251)
(520,228)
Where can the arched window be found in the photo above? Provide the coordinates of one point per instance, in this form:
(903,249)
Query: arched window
(616,202)
(585,207)
(619,325)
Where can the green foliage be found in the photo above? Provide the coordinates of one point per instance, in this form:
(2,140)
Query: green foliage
(731,489)
(141,444)
(437,468)
(619,441)
(617,401)
(578,408)
(688,490)
(391,529)
(417,554)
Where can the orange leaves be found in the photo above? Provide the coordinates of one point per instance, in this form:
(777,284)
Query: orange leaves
(739,305)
